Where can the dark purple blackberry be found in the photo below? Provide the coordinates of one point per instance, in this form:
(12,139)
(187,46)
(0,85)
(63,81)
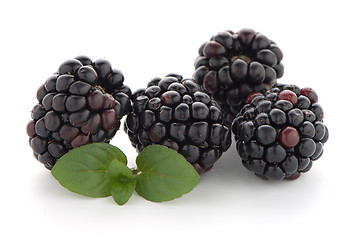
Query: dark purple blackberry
(231,66)
(174,112)
(279,134)
(81,103)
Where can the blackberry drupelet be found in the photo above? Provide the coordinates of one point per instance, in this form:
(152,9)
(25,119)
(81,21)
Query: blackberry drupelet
(231,66)
(280,134)
(174,112)
(81,103)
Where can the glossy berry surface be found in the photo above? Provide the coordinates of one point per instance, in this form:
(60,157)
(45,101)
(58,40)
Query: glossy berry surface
(174,112)
(288,95)
(233,65)
(81,103)
(289,137)
(280,133)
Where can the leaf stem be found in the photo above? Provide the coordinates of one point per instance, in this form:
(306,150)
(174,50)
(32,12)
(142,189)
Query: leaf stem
(135,171)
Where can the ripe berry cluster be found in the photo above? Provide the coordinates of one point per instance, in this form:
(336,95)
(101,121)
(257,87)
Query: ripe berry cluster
(81,103)
(233,65)
(281,133)
(174,112)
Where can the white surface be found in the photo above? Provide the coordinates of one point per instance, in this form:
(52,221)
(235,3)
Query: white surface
(320,41)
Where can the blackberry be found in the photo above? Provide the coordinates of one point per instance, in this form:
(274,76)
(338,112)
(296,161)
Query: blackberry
(174,112)
(231,66)
(279,134)
(81,103)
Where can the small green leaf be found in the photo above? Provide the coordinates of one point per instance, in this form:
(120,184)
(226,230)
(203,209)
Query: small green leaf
(123,182)
(165,174)
(84,170)
(122,191)
(118,170)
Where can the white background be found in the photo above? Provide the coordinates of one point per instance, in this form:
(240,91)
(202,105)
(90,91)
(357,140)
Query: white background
(320,41)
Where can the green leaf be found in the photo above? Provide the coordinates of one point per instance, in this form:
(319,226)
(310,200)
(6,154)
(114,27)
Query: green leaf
(118,170)
(84,170)
(122,191)
(165,174)
(124,182)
